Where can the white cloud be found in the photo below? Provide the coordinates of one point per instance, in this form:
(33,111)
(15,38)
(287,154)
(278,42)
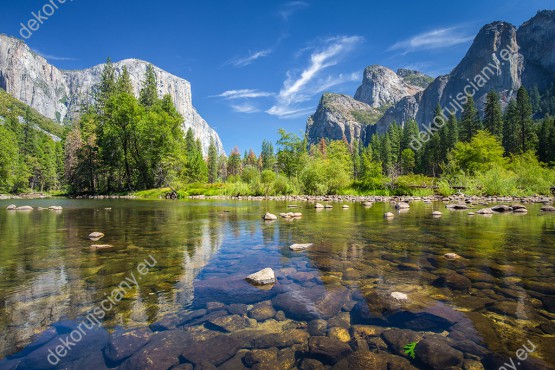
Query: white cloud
(243,94)
(52,57)
(240,62)
(300,87)
(290,8)
(435,39)
(245,108)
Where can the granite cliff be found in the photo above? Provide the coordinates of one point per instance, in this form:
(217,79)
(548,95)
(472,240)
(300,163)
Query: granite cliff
(59,95)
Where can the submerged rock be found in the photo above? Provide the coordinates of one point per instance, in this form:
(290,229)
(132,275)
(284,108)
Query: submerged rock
(330,350)
(318,205)
(399,296)
(231,323)
(454,281)
(55,208)
(94,236)
(101,246)
(437,214)
(389,215)
(262,277)
(362,360)
(312,303)
(451,256)
(216,350)
(11,207)
(402,205)
(300,247)
(262,311)
(269,217)
(437,354)
(548,209)
(123,345)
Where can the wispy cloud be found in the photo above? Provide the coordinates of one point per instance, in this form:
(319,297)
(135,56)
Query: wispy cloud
(243,94)
(240,62)
(300,87)
(245,108)
(435,39)
(52,57)
(290,8)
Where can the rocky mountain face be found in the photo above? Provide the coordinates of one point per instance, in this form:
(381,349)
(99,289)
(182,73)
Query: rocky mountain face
(501,58)
(340,115)
(382,87)
(59,95)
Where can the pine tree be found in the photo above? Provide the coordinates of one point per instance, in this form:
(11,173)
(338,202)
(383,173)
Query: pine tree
(149,91)
(546,140)
(212,162)
(268,156)
(234,163)
(123,83)
(470,122)
(493,118)
(107,85)
(452,131)
(410,134)
(510,136)
(535,99)
(527,136)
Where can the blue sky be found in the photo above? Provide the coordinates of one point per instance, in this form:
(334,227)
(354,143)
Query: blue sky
(257,66)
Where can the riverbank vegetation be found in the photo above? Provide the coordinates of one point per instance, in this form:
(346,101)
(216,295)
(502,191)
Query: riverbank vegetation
(132,144)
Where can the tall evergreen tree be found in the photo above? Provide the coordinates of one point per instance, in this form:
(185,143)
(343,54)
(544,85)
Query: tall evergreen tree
(510,127)
(212,162)
(149,91)
(526,133)
(493,117)
(123,83)
(546,142)
(452,131)
(470,122)
(107,84)
(268,156)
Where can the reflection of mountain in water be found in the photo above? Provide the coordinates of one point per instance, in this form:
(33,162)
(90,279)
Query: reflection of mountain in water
(48,273)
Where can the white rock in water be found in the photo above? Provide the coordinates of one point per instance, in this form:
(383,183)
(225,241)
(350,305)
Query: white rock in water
(451,256)
(300,247)
(485,211)
(345,206)
(96,235)
(55,208)
(400,296)
(11,207)
(389,215)
(437,213)
(297,214)
(101,246)
(268,216)
(402,205)
(24,208)
(318,205)
(262,277)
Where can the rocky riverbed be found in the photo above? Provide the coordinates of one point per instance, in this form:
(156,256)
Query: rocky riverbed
(459,292)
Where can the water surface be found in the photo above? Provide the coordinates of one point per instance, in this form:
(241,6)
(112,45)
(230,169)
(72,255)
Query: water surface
(203,250)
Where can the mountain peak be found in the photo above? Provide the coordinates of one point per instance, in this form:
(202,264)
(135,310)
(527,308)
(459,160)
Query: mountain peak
(381,87)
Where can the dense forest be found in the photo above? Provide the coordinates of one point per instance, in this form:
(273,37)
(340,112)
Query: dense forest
(125,143)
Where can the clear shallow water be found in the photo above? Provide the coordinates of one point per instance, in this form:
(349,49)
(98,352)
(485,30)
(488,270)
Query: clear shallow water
(203,250)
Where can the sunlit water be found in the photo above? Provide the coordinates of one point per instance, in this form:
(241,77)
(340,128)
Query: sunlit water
(49,274)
